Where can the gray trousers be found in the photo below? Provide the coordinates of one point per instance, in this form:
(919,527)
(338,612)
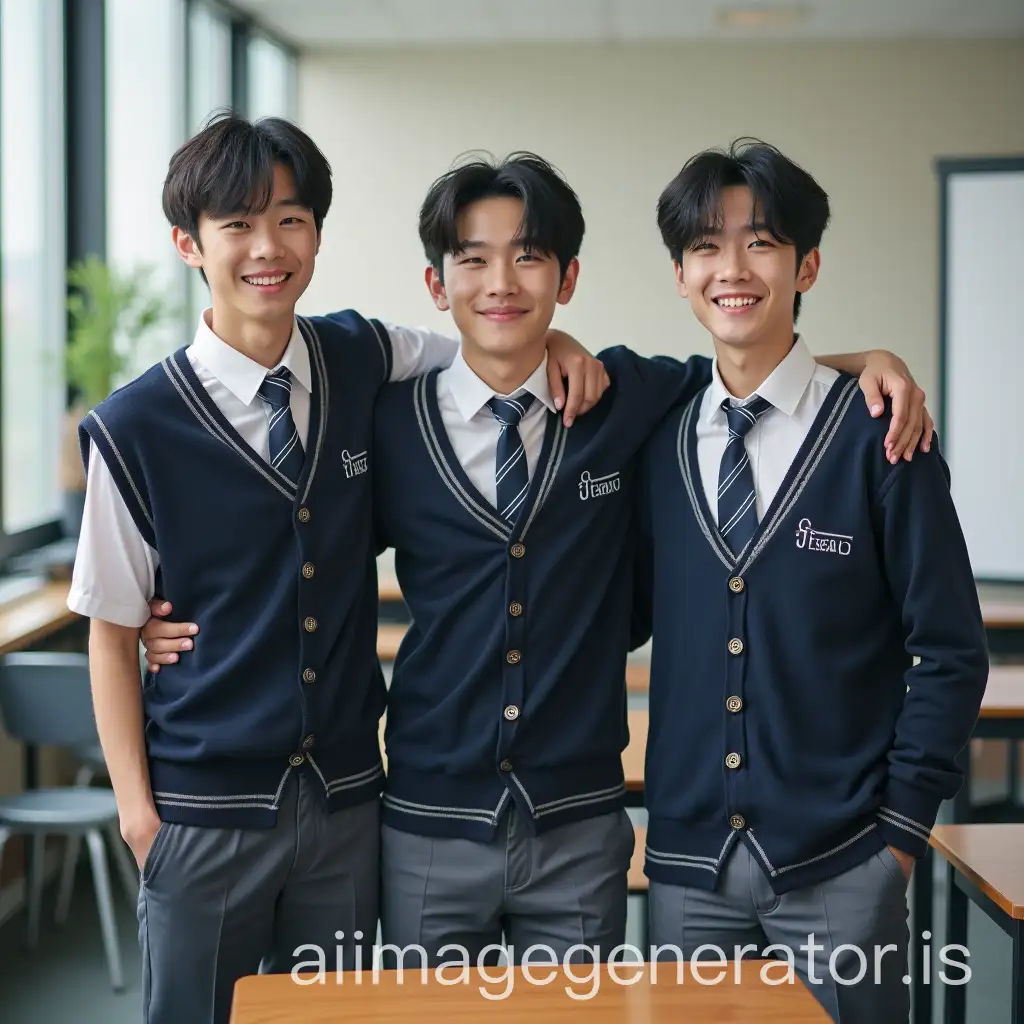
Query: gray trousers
(865,908)
(217,903)
(562,889)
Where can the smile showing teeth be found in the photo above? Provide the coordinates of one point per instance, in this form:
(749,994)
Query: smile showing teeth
(276,279)
(737,303)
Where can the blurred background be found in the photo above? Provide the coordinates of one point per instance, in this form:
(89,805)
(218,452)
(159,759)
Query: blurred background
(909,112)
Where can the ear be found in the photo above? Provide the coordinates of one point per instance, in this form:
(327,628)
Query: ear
(677,269)
(568,286)
(319,237)
(807,272)
(187,248)
(436,288)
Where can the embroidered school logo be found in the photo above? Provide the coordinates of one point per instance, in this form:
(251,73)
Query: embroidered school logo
(354,464)
(818,540)
(597,487)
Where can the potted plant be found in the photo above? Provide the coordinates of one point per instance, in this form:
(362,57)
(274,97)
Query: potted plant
(109,315)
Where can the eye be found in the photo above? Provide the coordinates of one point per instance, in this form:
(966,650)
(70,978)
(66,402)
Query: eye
(471,259)
(293,220)
(762,241)
(706,246)
(236,224)
(529,256)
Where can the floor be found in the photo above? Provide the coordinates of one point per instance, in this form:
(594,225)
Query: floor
(65,981)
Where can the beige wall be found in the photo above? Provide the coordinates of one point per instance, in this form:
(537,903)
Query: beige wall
(867,119)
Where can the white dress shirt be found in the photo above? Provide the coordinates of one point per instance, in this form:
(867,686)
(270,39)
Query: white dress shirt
(115,569)
(462,399)
(797,389)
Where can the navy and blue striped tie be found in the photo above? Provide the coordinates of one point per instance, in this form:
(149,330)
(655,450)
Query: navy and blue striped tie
(511,472)
(286,452)
(737,498)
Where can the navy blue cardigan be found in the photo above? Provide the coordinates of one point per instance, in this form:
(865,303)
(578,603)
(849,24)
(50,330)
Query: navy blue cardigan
(282,582)
(810,697)
(510,684)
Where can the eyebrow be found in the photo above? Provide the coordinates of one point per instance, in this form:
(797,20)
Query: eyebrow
(464,245)
(757,228)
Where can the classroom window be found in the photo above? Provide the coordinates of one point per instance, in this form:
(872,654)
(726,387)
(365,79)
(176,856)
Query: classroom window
(208,85)
(271,77)
(32,251)
(146,120)
(208,77)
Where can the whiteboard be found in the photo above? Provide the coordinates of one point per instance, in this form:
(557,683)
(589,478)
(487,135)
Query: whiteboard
(982,362)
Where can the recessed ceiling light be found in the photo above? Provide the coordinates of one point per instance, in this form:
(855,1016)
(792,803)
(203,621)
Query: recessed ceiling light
(762,17)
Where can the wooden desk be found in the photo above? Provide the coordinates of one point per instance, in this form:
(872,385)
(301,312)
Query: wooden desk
(634,755)
(985,864)
(29,619)
(1001,718)
(1002,605)
(276,999)
(389,638)
(638,676)
(388,590)
(24,623)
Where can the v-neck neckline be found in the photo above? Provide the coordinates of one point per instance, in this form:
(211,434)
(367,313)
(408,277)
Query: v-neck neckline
(803,465)
(230,436)
(539,480)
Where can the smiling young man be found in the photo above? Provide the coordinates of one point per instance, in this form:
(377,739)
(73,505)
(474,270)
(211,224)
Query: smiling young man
(819,656)
(234,480)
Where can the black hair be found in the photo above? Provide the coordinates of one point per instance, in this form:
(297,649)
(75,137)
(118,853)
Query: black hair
(228,168)
(552,219)
(787,200)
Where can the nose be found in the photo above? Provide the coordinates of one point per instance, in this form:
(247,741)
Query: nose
(501,278)
(266,244)
(733,264)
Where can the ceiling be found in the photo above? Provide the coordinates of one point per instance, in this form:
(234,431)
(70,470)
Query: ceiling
(361,23)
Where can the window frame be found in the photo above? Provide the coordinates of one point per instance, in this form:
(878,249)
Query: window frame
(19,542)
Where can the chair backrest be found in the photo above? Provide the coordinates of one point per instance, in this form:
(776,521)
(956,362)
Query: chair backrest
(45,698)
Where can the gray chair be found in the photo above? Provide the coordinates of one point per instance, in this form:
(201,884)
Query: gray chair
(92,765)
(45,699)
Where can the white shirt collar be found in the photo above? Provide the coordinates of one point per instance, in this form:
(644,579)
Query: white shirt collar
(784,387)
(241,375)
(471,394)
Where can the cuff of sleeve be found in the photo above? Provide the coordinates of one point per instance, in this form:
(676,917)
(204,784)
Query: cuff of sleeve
(906,817)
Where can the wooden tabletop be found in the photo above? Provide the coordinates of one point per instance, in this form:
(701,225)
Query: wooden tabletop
(990,856)
(1002,605)
(387,587)
(389,637)
(29,619)
(636,879)
(634,754)
(277,999)
(1004,694)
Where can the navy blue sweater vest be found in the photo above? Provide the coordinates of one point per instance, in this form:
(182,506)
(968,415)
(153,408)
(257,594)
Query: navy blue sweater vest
(282,583)
(510,684)
(787,710)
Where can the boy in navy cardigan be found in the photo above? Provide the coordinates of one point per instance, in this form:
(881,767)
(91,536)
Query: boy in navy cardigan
(234,479)
(819,657)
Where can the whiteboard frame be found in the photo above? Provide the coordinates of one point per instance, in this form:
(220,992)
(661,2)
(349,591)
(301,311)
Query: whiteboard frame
(946,168)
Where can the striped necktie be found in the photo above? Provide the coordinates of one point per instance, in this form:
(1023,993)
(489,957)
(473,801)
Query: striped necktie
(286,452)
(511,472)
(737,498)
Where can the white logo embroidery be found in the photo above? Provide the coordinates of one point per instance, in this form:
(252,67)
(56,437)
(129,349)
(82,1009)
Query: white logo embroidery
(818,540)
(354,464)
(597,487)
